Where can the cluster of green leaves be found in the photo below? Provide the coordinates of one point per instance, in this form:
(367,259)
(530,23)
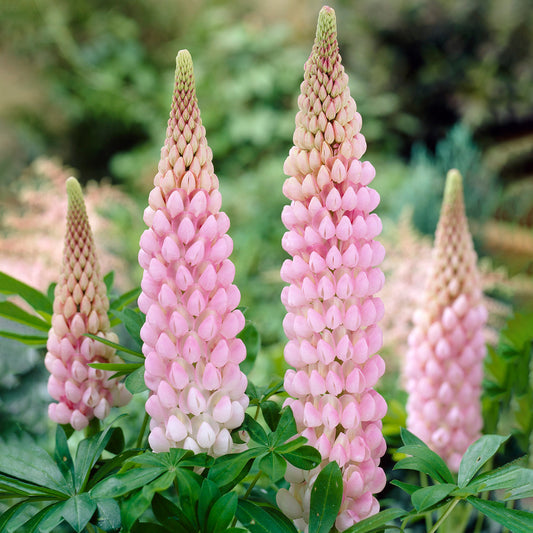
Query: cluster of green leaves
(29,477)
(446,492)
(185,492)
(508,394)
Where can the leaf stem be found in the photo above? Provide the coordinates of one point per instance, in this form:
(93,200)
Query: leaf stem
(139,442)
(445,515)
(248,491)
(427,516)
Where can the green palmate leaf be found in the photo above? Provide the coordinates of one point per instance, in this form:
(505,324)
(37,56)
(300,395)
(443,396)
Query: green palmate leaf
(116,442)
(125,299)
(255,430)
(46,520)
(189,492)
(122,483)
(135,381)
(286,427)
(326,497)
(14,312)
(134,507)
(477,455)
(222,513)
(28,340)
(11,513)
(31,463)
(122,368)
(407,487)
(517,521)
(118,347)
(250,336)
(108,515)
(424,460)
(305,457)
(273,389)
(150,527)
(271,413)
(109,466)
(78,510)
(228,470)
(133,322)
(62,455)
(89,450)
(409,438)
(208,494)
(273,465)
(426,497)
(377,522)
(11,487)
(291,445)
(164,510)
(516,481)
(263,519)
(175,456)
(251,392)
(35,298)
(201,460)
(109,278)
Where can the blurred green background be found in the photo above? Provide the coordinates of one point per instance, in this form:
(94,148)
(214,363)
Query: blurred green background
(439,84)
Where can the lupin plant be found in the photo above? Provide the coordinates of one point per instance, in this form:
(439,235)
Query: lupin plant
(333,276)
(80,307)
(327,440)
(192,353)
(444,362)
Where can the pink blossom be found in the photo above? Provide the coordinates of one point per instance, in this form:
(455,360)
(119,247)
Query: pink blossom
(192,353)
(80,306)
(333,276)
(444,362)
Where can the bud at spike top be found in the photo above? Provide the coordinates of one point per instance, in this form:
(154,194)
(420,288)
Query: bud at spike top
(333,276)
(444,361)
(192,353)
(80,306)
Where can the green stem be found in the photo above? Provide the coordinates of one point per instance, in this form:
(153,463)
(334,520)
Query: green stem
(143,429)
(248,491)
(257,412)
(427,516)
(445,515)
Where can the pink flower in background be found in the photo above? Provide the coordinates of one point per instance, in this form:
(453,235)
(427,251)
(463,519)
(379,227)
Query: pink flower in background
(80,306)
(333,276)
(192,353)
(444,362)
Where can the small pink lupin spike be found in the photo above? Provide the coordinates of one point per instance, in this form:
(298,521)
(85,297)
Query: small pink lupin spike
(80,306)
(333,276)
(192,353)
(444,362)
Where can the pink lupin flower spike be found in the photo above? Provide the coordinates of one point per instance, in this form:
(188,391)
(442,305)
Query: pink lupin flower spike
(444,362)
(80,306)
(192,353)
(333,276)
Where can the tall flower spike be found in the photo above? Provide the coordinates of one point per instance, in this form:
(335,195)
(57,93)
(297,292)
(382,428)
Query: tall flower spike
(333,276)
(192,353)
(80,306)
(444,362)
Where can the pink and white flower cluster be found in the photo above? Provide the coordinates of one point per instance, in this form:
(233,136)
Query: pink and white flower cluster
(80,306)
(333,276)
(192,353)
(444,362)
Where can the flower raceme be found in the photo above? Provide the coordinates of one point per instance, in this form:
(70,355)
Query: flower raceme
(333,276)
(192,353)
(444,361)
(80,306)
